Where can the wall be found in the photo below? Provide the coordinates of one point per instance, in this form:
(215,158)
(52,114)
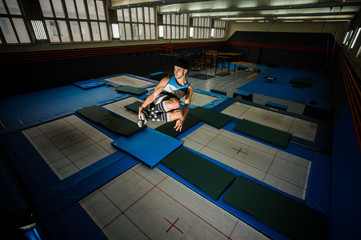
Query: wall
(37,70)
(345,209)
(312,51)
(338,30)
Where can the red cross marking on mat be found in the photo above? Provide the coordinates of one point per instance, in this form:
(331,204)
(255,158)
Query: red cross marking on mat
(172,225)
(239,150)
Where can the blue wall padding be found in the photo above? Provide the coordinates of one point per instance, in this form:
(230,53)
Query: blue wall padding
(13,200)
(148,145)
(72,223)
(318,188)
(81,189)
(34,172)
(345,210)
(88,84)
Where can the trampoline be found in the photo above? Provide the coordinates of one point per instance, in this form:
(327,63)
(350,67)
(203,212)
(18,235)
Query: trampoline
(76,176)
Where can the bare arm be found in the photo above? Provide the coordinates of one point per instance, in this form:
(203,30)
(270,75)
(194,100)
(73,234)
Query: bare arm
(158,89)
(179,124)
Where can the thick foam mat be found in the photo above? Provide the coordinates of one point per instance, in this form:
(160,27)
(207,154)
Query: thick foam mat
(271,135)
(30,109)
(210,178)
(168,128)
(129,80)
(134,106)
(132,90)
(284,214)
(109,120)
(148,145)
(213,118)
(88,84)
(304,82)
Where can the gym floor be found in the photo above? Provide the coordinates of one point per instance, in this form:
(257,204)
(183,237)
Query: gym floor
(144,203)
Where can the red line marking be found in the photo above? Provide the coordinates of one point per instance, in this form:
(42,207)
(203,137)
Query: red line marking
(234,228)
(50,140)
(172,225)
(239,150)
(193,213)
(122,213)
(156,186)
(253,148)
(274,157)
(246,163)
(293,120)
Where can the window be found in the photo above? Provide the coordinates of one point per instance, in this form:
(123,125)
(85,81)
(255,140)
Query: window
(12,23)
(39,30)
(358,52)
(75,20)
(349,38)
(345,38)
(355,38)
(201,28)
(160,32)
(135,24)
(219,29)
(175,26)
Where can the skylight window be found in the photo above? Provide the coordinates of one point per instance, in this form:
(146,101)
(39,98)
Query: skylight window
(136,23)
(345,38)
(355,38)
(75,20)
(12,23)
(115,30)
(39,30)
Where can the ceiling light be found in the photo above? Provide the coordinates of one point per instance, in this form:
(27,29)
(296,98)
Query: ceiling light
(242,18)
(318,17)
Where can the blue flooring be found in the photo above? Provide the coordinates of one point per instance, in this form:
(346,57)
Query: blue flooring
(282,88)
(56,200)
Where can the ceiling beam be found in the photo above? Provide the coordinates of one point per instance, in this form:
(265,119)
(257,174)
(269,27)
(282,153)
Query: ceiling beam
(271,8)
(259,8)
(293,15)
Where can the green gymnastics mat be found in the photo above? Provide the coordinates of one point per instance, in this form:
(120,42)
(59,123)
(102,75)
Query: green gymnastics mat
(273,136)
(168,128)
(210,178)
(301,82)
(132,90)
(279,212)
(109,120)
(213,118)
(134,106)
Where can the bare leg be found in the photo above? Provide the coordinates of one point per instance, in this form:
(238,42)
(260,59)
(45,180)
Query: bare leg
(175,115)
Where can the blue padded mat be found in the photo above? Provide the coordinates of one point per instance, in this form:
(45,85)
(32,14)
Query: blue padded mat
(19,112)
(283,89)
(148,145)
(88,84)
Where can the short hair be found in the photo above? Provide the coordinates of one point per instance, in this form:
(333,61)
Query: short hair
(181,62)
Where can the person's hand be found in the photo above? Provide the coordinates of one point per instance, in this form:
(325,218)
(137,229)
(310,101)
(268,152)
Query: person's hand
(178,125)
(140,113)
